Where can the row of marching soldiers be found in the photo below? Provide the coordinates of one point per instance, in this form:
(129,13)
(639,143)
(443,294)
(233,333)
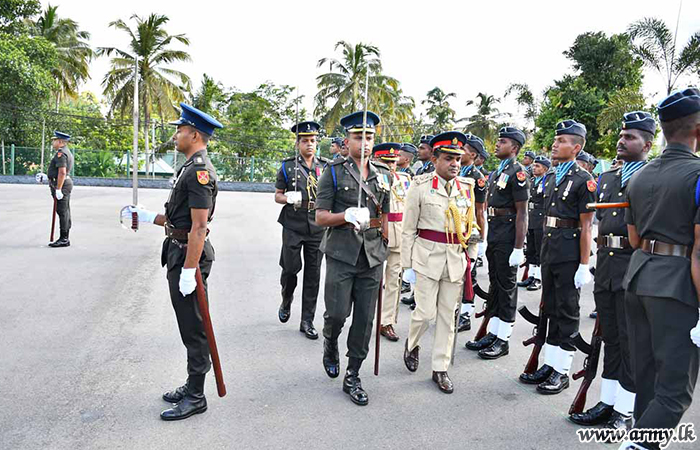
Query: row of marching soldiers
(431,228)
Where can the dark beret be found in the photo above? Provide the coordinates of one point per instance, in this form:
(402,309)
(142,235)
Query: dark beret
(571,127)
(512,133)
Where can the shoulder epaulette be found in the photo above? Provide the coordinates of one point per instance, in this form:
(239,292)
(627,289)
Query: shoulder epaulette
(423,178)
(199,161)
(380,164)
(338,161)
(291,158)
(325,160)
(466,180)
(404,174)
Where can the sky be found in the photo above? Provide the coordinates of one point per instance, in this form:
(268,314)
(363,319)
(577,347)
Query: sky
(465,47)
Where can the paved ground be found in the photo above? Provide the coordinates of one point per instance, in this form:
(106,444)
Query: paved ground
(89,342)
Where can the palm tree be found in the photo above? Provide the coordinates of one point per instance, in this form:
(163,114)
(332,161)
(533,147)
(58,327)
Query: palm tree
(486,121)
(439,109)
(74,52)
(654,43)
(525,98)
(150,43)
(210,96)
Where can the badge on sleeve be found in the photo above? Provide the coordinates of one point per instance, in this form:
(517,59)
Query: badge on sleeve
(203,176)
(481,182)
(522,176)
(591,185)
(59,154)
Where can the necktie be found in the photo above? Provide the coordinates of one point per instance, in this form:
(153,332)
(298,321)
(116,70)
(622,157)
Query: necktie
(448,188)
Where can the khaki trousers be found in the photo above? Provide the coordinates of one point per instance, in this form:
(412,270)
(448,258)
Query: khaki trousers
(392,287)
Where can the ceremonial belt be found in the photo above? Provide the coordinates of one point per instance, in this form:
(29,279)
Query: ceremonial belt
(662,248)
(533,206)
(308,204)
(556,222)
(373,223)
(439,237)
(500,211)
(178,234)
(395,217)
(608,241)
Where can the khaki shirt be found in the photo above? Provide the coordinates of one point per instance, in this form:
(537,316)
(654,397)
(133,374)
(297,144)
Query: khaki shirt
(424,209)
(401,181)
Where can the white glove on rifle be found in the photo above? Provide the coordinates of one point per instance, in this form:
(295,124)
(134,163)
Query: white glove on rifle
(41,178)
(583,276)
(294,198)
(187,281)
(59,194)
(144,214)
(358,217)
(516,257)
(481,249)
(695,334)
(409,276)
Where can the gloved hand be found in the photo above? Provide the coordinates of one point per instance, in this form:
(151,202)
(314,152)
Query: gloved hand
(481,249)
(583,276)
(358,217)
(41,178)
(516,257)
(59,194)
(294,198)
(409,276)
(144,214)
(695,334)
(187,281)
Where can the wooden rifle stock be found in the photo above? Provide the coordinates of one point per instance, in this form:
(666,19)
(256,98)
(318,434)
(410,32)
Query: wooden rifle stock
(580,400)
(484,324)
(209,331)
(377,333)
(590,367)
(538,340)
(531,365)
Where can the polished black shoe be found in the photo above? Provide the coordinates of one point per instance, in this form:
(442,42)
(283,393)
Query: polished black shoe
(331,358)
(538,376)
(187,407)
(479,262)
(494,351)
(465,323)
(535,286)
(482,343)
(618,421)
(307,327)
(443,382)
(352,385)
(285,311)
(526,282)
(409,300)
(60,242)
(176,394)
(593,314)
(554,384)
(405,287)
(411,358)
(596,415)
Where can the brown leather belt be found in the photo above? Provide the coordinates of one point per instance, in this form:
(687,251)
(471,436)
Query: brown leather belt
(307,204)
(178,234)
(608,241)
(492,212)
(395,217)
(373,223)
(437,236)
(556,222)
(662,248)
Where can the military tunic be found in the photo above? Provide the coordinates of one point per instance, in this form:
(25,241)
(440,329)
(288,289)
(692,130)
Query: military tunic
(427,167)
(535,218)
(62,158)
(194,187)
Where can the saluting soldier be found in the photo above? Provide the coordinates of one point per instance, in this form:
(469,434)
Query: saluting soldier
(614,252)
(662,280)
(189,209)
(297,182)
(438,220)
(507,221)
(535,223)
(566,249)
(425,154)
(61,185)
(355,246)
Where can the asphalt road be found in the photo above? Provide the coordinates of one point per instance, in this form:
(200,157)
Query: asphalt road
(89,342)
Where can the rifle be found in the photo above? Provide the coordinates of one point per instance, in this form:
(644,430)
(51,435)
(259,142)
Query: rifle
(377,334)
(486,314)
(53,218)
(590,365)
(539,337)
(209,331)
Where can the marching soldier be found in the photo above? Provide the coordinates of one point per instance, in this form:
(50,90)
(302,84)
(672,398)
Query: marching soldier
(388,153)
(355,246)
(439,217)
(61,185)
(614,253)
(189,209)
(296,186)
(507,221)
(566,248)
(425,154)
(662,281)
(535,223)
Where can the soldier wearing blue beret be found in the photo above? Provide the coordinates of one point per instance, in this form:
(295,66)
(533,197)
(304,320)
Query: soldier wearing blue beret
(61,185)
(425,155)
(528,159)
(406,154)
(336,147)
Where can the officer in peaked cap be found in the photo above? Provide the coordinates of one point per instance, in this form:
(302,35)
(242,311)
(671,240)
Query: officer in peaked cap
(61,185)
(189,209)
(425,155)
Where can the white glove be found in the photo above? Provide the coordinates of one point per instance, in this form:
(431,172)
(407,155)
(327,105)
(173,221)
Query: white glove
(187,281)
(481,249)
(409,276)
(294,198)
(583,276)
(517,257)
(41,178)
(144,214)
(358,217)
(695,334)
(59,194)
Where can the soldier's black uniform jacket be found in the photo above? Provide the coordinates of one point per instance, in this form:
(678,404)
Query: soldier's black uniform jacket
(566,201)
(504,191)
(62,158)
(535,218)
(305,180)
(338,191)
(479,183)
(427,167)
(407,170)
(664,199)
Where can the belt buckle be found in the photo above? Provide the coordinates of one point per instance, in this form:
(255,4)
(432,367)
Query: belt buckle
(615,241)
(491,211)
(312,205)
(531,206)
(551,222)
(652,245)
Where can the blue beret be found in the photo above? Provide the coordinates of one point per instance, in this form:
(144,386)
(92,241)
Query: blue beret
(570,127)
(306,128)
(512,133)
(353,122)
(195,118)
(449,142)
(639,120)
(679,104)
(543,160)
(585,157)
(529,154)
(484,154)
(476,143)
(60,135)
(426,138)
(387,150)
(337,141)
(408,147)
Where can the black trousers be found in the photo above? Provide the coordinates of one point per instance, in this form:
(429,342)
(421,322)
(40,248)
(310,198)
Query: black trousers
(63,206)
(351,288)
(561,303)
(293,245)
(613,324)
(664,359)
(189,319)
(534,244)
(503,287)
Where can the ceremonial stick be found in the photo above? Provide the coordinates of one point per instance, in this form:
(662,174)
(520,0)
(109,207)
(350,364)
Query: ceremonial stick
(209,331)
(607,205)
(364,134)
(53,218)
(379,325)
(296,146)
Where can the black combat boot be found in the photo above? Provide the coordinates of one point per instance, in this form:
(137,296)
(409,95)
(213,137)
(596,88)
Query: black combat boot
(193,403)
(331,358)
(62,241)
(176,394)
(285,311)
(538,376)
(352,385)
(465,323)
(554,384)
(494,351)
(482,343)
(596,415)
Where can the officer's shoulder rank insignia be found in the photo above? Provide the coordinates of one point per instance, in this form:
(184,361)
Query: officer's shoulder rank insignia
(591,185)
(198,160)
(203,176)
(481,182)
(59,154)
(522,176)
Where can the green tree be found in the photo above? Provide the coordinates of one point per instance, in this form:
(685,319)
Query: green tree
(487,119)
(526,99)
(210,96)
(439,109)
(14,12)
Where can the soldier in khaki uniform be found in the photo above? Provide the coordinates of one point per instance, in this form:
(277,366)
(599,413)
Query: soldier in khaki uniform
(388,153)
(438,220)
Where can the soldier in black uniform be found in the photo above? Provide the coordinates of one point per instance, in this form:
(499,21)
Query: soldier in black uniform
(406,154)
(662,280)
(355,246)
(535,223)
(528,161)
(425,153)
(336,147)
(189,209)
(614,253)
(566,249)
(297,182)
(507,197)
(61,185)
